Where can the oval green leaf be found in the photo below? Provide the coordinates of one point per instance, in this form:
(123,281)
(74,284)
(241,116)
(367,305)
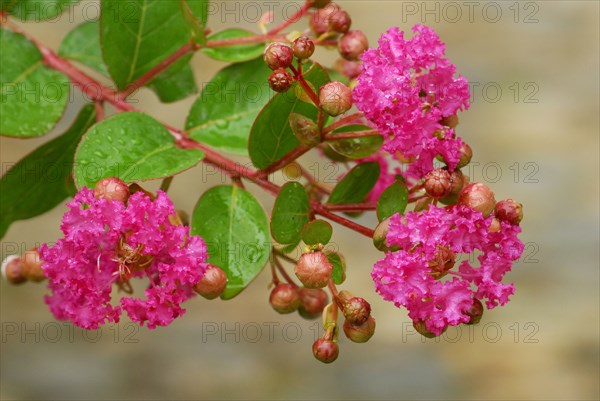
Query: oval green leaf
(290,213)
(137,35)
(32,96)
(222,115)
(82,44)
(271,136)
(356,185)
(236,230)
(132,146)
(42,179)
(392,200)
(356,148)
(236,53)
(317,232)
(338,274)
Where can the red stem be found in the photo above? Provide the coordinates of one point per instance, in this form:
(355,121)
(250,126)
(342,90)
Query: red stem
(284,161)
(300,78)
(353,207)
(295,17)
(322,210)
(348,120)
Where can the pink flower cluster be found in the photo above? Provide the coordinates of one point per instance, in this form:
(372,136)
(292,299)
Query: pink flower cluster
(108,242)
(405,88)
(406,277)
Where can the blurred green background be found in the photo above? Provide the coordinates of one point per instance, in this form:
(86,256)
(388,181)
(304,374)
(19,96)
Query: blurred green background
(533,125)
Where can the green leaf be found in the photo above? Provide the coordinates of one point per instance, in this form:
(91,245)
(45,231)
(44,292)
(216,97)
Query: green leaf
(196,27)
(42,179)
(132,146)
(356,185)
(290,213)
(236,53)
(82,44)
(137,35)
(338,274)
(223,113)
(32,96)
(317,232)
(393,200)
(271,136)
(38,10)
(356,148)
(176,83)
(236,230)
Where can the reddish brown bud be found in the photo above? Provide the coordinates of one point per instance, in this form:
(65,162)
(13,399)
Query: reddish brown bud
(442,262)
(350,69)
(466,153)
(319,3)
(352,45)
(495,226)
(335,98)
(479,197)
(356,310)
(113,189)
(475,311)
(459,181)
(280,80)
(312,302)
(212,284)
(360,333)
(319,22)
(313,269)
(12,270)
(450,121)
(284,298)
(340,21)
(278,55)
(510,211)
(421,328)
(325,351)
(32,266)
(438,183)
(303,47)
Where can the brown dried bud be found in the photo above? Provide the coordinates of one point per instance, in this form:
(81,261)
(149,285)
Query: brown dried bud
(510,211)
(438,183)
(278,55)
(284,298)
(312,302)
(444,260)
(352,45)
(340,21)
(303,47)
(280,80)
(12,270)
(32,266)
(466,153)
(212,284)
(313,269)
(479,197)
(325,351)
(475,312)
(112,188)
(360,333)
(335,98)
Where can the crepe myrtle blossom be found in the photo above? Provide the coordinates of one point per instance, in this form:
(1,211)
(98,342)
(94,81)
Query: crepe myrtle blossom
(108,242)
(428,243)
(408,89)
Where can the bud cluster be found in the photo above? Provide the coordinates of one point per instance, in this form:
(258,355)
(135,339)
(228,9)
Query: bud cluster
(27,267)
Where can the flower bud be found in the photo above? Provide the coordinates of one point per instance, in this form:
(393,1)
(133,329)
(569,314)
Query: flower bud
(475,312)
(111,188)
(350,69)
(352,45)
(479,197)
(495,226)
(442,262)
(12,270)
(459,181)
(32,266)
(212,284)
(335,98)
(466,153)
(450,121)
(319,22)
(510,211)
(284,298)
(380,237)
(318,3)
(360,333)
(313,269)
(278,55)
(312,302)
(340,21)
(438,183)
(304,129)
(280,80)
(325,351)
(303,47)
(356,310)
(421,328)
